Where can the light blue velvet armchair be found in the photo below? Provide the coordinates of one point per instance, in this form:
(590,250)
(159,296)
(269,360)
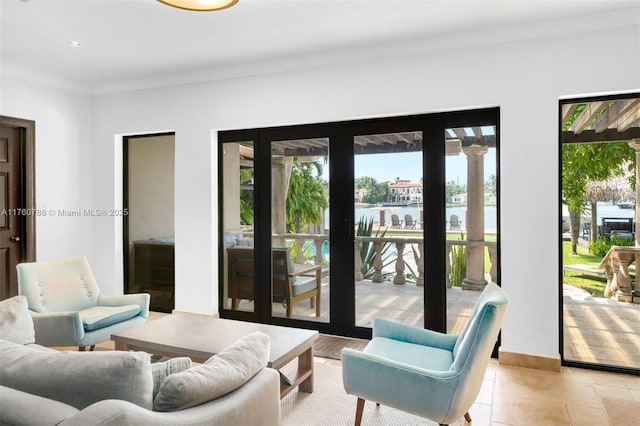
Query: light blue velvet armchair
(429,374)
(67,307)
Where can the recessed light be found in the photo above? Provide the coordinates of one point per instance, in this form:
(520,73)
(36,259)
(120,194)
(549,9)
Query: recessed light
(73,43)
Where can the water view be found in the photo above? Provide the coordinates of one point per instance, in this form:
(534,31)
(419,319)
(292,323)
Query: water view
(490,214)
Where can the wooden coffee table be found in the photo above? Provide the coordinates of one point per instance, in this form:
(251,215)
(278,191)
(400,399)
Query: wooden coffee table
(199,337)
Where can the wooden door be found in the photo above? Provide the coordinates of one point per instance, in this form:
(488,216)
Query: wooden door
(12,209)
(17,198)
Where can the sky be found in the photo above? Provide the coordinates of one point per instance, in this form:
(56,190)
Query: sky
(408,166)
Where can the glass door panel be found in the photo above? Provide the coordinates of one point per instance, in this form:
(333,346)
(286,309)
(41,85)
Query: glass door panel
(300,285)
(599,244)
(471,218)
(238,222)
(388,217)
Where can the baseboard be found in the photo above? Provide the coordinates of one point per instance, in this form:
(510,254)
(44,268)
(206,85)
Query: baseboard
(529,361)
(214,315)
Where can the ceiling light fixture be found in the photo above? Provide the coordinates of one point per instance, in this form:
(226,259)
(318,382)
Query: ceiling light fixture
(200,5)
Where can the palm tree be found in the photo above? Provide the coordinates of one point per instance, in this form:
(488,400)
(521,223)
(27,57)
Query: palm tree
(307,195)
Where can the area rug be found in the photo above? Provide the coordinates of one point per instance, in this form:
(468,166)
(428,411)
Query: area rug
(330,405)
(328,346)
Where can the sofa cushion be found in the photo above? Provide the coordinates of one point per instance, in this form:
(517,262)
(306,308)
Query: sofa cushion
(219,375)
(77,378)
(161,370)
(102,316)
(22,408)
(16,324)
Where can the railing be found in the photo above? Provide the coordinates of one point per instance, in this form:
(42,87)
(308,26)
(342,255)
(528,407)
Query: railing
(616,268)
(401,244)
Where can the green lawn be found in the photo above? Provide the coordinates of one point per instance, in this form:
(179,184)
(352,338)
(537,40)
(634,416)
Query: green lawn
(593,284)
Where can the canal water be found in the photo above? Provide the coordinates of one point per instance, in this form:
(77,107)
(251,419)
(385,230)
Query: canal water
(490,215)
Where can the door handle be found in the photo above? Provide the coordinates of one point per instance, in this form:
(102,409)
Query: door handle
(15,238)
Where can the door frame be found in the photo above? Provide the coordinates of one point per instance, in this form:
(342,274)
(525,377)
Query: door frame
(340,134)
(28,142)
(629,135)
(126,255)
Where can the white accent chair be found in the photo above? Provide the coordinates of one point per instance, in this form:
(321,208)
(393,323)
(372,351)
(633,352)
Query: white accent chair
(68,308)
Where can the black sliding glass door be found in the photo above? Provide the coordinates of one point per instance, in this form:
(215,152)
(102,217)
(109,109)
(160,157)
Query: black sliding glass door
(329,225)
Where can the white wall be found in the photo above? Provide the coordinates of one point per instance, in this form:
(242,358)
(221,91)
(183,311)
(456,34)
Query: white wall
(525,79)
(64,176)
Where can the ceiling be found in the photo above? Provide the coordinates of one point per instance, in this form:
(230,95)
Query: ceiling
(146,43)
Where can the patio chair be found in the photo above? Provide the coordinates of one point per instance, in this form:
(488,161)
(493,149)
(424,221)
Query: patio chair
(454,223)
(395,221)
(409,223)
(433,375)
(68,308)
(290,283)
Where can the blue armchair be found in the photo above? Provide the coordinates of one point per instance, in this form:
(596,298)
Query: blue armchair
(426,373)
(67,307)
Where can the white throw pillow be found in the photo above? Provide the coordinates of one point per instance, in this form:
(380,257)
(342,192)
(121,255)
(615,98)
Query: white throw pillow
(219,375)
(16,324)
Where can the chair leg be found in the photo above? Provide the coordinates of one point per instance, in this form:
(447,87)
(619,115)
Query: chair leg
(359,410)
(83,348)
(467,418)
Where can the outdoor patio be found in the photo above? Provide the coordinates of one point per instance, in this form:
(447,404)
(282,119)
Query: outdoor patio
(597,330)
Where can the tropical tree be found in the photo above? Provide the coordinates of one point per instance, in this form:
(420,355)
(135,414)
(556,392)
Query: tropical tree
(590,162)
(375,192)
(307,194)
(490,185)
(452,188)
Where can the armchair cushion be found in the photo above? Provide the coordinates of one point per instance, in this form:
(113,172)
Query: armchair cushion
(77,378)
(418,356)
(103,316)
(303,285)
(16,324)
(219,375)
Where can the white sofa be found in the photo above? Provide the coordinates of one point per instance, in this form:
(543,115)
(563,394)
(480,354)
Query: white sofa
(41,386)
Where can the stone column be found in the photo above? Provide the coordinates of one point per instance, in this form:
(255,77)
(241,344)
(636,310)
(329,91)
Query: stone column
(280,174)
(475,217)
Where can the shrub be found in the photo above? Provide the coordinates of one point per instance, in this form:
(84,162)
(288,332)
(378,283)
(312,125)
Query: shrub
(458,265)
(367,251)
(601,246)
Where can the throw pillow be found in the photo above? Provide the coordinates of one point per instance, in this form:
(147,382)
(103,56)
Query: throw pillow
(161,370)
(219,375)
(78,379)
(16,324)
